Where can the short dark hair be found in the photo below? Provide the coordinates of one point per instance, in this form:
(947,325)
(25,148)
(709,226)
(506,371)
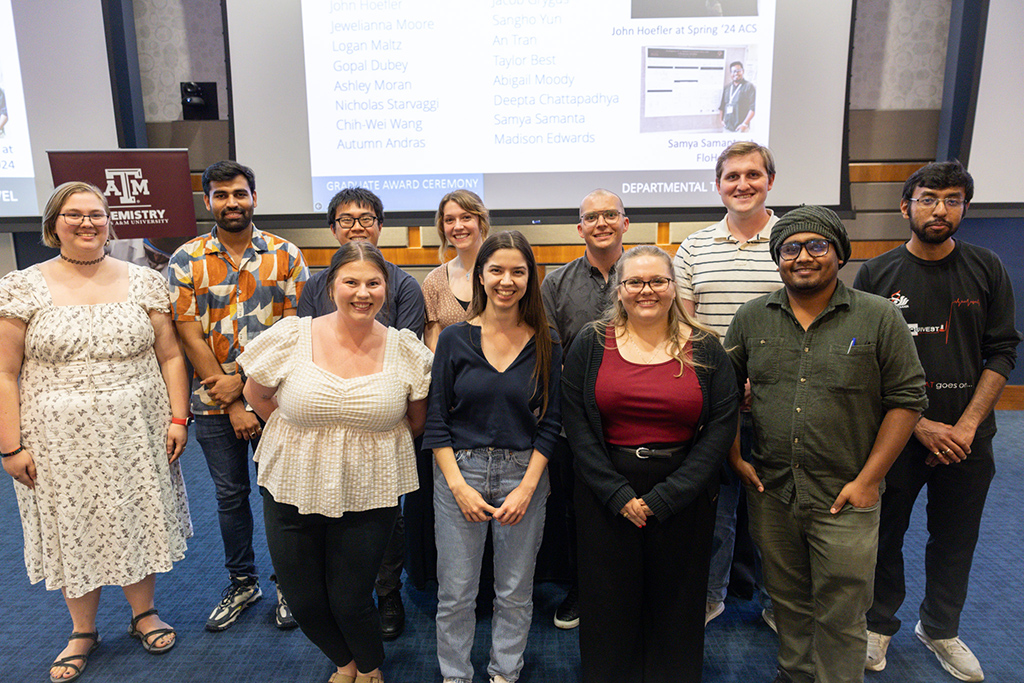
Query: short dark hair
(359,196)
(940,175)
(222,171)
(736,63)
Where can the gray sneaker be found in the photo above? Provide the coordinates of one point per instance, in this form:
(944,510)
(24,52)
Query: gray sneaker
(240,594)
(954,656)
(712,610)
(878,645)
(768,615)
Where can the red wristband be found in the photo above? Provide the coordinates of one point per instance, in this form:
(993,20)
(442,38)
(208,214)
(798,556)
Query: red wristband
(179,421)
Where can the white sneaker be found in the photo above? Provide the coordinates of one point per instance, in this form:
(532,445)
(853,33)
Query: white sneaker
(878,645)
(954,656)
(712,610)
(499,679)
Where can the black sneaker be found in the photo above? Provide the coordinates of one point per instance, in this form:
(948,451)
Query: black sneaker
(236,597)
(568,613)
(283,614)
(392,614)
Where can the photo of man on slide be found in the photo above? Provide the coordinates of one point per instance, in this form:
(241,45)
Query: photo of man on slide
(649,9)
(737,107)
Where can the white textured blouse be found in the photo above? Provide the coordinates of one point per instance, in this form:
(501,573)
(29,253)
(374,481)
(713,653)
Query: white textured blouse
(336,444)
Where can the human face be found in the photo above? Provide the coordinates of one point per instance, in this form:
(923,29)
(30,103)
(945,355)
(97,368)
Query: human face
(505,277)
(939,223)
(357,231)
(647,306)
(604,235)
(461,228)
(744,185)
(736,71)
(807,274)
(86,237)
(359,291)
(231,202)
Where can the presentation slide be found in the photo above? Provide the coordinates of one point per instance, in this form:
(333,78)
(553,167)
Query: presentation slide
(17,178)
(528,97)
(534,103)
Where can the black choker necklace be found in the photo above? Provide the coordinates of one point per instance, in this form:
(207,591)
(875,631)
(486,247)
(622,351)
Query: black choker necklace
(83,263)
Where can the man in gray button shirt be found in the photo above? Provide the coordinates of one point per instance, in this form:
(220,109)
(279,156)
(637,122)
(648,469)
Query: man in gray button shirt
(836,389)
(575,295)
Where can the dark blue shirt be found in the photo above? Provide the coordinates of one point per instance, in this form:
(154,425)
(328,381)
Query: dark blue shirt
(472,405)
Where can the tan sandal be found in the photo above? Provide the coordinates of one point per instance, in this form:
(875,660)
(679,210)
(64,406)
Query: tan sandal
(366,678)
(340,678)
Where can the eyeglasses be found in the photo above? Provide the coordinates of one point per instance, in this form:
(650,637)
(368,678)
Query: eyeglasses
(591,217)
(951,203)
(635,285)
(366,220)
(75,219)
(815,247)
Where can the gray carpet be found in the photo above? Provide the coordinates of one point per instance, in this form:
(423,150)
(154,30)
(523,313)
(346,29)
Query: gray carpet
(739,647)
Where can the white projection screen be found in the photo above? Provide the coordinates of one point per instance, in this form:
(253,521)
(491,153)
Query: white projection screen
(996,139)
(59,99)
(533,103)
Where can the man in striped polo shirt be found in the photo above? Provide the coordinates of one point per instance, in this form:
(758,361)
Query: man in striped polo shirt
(718,269)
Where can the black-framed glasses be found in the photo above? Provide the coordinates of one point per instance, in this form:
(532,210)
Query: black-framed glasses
(816,247)
(635,285)
(611,215)
(75,219)
(367,220)
(951,203)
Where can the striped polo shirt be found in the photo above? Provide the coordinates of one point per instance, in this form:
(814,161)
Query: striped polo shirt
(718,273)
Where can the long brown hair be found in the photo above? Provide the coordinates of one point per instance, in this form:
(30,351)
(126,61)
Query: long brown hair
(469,202)
(531,306)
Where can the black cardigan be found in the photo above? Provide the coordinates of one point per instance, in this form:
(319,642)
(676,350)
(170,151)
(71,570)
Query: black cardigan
(715,433)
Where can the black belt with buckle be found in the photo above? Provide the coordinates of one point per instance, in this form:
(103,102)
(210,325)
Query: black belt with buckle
(645,452)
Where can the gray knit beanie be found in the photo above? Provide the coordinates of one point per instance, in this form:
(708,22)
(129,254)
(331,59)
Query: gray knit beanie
(817,219)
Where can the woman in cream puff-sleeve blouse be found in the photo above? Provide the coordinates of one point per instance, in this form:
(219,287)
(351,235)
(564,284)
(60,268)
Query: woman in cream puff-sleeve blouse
(335,444)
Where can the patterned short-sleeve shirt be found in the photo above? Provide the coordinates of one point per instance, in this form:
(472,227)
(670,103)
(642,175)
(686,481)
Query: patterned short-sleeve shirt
(234,303)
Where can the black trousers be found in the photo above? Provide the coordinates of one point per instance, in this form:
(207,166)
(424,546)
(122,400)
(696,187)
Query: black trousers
(643,591)
(956,499)
(326,566)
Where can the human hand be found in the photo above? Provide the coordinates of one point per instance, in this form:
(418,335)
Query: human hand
(474,507)
(177,437)
(22,468)
(245,423)
(516,502)
(856,494)
(224,389)
(634,512)
(747,474)
(946,444)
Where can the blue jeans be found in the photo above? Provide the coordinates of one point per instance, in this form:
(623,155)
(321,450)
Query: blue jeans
(729,495)
(228,459)
(494,472)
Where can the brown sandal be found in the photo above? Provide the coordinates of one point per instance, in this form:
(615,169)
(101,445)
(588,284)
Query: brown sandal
(148,639)
(68,662)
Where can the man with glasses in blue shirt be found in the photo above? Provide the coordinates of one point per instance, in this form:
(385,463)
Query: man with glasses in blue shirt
(836,389)
(356,213)
(958,302)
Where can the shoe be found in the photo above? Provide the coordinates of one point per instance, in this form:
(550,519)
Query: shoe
(151,637)
(954,656)
(341,678)
(769,618)
(235,598)
(712,610)
(364,678)
(68,662)
(568,613)
(283,614)
(392,614)
(499,679)
(878,645)
(782,677)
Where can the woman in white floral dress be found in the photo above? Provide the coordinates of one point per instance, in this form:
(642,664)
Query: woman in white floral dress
(93,401)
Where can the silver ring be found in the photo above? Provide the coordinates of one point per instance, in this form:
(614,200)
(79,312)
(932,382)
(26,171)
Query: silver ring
(948,450)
